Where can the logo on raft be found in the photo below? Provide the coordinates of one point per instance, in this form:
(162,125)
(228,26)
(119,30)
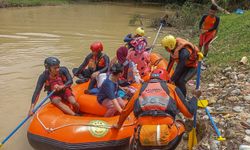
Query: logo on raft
(98,128)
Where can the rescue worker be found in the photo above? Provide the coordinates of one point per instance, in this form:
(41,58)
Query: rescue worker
(94,64)
(108,96)
(208,28)
(186,56)
(155,106)
(139,32)
(59,79)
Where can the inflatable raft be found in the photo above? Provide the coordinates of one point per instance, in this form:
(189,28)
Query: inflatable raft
(52,129)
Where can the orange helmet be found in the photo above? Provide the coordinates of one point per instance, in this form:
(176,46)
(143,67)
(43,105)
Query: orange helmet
(96,47)
(160,74)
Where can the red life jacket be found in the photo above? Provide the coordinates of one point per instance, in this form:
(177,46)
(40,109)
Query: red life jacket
(50,82)
(153,99)
(193,51)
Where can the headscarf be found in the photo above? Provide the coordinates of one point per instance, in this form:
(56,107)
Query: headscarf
(121,54)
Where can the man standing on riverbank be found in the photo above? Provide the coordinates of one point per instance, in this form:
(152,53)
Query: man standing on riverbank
(208,28)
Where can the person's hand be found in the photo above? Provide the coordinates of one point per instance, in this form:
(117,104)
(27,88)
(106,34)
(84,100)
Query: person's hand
(76,107)
(95,74)
(31,110)
(197,93)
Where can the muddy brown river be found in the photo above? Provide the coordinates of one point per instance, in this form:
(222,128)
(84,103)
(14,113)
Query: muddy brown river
(29,35)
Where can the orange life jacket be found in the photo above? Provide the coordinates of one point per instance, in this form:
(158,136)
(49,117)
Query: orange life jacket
(153,99)
(193,51)
(50,82)
(208,22)
(96,62)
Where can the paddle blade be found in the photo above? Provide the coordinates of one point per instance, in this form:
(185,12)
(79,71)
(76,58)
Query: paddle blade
(192,139)
(202,103)
(1,145)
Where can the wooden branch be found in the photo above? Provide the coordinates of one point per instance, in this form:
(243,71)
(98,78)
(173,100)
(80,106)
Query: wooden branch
(220,8)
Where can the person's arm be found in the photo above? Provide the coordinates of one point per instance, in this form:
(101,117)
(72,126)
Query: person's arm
(128,38)
(216,24)
(127,109)
(183,57)
(66,73)
(83,65)
(187,108)
(106,60)
(170,64)
(202,21)
(35,97)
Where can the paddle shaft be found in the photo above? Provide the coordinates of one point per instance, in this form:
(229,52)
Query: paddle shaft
(27,118)
(157,34)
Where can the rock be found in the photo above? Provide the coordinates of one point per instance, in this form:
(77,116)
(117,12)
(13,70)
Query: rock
(248,121)
(244,147)
(247,139)
(229,134)
(211,85)
(238,109)
(247,98)
(247,132)
(227,69)
(212,100)
(233,98)
(241,76)
(205,117)
(221,108)
(243,60)
(214,144)
(220,101)
(223,78)
(236,92)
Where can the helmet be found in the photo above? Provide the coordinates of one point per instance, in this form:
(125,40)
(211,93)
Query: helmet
(51,61)
(140,31)
(96,47)
(169,42)
(159,74)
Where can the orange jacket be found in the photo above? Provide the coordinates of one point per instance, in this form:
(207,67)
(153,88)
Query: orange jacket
(186,108)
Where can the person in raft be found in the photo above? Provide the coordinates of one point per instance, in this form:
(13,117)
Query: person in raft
(208,28)
(58,78)
(93,65)
(108,96)
(155,106)
(186,55)
(139,34)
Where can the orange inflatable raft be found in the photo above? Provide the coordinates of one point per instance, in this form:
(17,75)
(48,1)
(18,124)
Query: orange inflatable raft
(52,129)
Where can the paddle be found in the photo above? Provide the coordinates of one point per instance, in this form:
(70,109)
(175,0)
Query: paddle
(220,138)
(157,34)
(27,118)
(192,138)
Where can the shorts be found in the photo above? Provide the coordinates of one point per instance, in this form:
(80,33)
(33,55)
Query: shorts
(64,95)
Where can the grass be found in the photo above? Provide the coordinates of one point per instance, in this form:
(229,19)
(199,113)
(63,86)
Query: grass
(21,3)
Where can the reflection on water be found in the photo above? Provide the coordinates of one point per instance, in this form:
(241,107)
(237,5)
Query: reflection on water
(29,35)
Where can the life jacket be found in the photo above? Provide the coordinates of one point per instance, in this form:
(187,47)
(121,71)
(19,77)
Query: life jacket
(97,62)
(139,44)
(153,99)
(208,22)
(193,51)
(50,82)
(142,60)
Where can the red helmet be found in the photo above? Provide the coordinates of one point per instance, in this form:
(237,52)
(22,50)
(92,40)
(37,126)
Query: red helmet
(96,47)
(160,74)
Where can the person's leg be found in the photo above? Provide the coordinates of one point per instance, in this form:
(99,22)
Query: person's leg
(73,102)
(110,108)
(58,103)
(92,84)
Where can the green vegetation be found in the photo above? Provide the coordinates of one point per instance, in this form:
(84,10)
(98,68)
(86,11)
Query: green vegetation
(21,3)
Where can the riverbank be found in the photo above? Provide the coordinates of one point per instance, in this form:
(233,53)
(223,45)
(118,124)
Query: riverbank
(26,3)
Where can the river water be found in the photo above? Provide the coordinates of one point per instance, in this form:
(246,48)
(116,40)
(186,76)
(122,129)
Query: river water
(29,35)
